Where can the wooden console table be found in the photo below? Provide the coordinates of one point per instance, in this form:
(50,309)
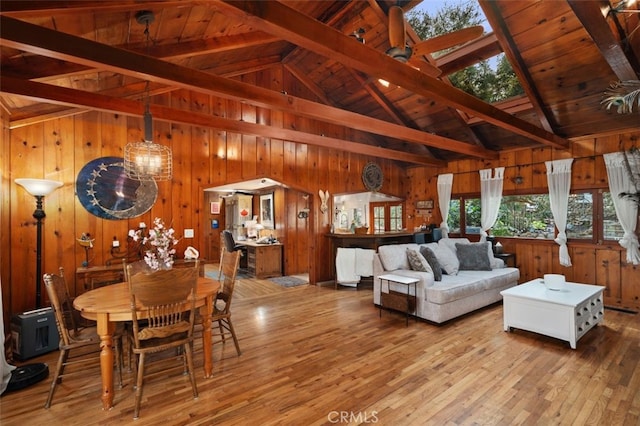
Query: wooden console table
(98,276)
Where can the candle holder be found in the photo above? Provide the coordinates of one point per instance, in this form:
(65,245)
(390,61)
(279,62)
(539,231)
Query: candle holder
(86,242)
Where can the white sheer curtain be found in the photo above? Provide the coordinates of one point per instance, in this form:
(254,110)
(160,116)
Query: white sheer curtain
(490,199)
(626,210)
(559,180)
(445,183)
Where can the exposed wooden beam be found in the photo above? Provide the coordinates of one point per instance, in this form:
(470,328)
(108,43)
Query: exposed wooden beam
(384,103)
(306,81)
(478,50)
(188,49)
(26,9)
(40,67)
(512,106)
(76,98)
(38,113)
(39,40)
(494,17)
(283,21)
(593,14)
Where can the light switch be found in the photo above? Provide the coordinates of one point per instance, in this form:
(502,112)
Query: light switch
(188,233)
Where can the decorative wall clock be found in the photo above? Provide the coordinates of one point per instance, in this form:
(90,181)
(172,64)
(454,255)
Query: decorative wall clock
(105,191)
(372,177)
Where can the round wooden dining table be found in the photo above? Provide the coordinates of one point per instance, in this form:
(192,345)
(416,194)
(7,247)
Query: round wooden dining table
(110,304)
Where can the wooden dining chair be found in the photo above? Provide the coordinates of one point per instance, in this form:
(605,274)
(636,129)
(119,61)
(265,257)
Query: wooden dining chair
(228,244)
(221,317)
(78,345)
(160,320)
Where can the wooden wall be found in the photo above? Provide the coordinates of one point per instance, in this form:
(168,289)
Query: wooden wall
(203,158)
(207,157)
(601,263)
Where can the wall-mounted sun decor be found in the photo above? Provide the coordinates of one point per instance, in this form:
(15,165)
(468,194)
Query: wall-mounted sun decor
(105,191)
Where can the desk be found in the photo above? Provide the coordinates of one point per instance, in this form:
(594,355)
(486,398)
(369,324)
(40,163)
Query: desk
(110,304)
(263,260)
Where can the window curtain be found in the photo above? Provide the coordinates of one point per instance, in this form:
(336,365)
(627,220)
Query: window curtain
(490,199)
(445,183)
(626,210)
(559,181)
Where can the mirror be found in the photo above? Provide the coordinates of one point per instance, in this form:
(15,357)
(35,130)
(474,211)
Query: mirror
(353,209)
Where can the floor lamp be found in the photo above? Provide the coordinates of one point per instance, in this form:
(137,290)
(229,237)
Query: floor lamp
(39,188)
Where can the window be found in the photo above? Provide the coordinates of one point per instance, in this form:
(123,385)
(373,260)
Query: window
(387,217)
(580,216)
(378,219)
(395,217)
(529,216)
(612,230)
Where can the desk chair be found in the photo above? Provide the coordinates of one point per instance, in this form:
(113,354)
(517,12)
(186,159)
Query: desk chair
(229,245)
(159,321)
(78,345)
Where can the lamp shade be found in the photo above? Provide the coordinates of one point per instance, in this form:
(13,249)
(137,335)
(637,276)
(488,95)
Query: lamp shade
(147,161)
(39,187)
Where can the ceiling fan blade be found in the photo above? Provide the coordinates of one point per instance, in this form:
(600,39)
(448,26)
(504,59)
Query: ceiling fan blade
(445,41)
(397,32)
(424,66)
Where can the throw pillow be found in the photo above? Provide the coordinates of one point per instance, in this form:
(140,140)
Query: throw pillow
(428,254)
(394,256)
(447,259)
(473,256)
(417,261)
(495,263)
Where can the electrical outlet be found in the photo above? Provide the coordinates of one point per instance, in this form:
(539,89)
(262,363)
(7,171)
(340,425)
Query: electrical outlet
(188,233)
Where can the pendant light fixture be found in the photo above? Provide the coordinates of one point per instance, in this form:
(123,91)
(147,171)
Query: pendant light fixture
(147,160)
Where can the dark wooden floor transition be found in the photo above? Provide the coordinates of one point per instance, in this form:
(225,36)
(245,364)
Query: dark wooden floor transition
(313,355)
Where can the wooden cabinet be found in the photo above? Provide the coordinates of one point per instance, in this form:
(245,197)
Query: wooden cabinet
(263,260)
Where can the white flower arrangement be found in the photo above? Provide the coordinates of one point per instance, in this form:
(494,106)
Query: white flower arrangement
(159,245)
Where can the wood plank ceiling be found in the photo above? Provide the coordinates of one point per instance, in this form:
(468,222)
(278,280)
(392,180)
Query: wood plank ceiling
(60,58)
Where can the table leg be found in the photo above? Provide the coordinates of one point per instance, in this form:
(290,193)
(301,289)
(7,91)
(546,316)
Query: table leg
(408,304)
(205,312)
(105,329)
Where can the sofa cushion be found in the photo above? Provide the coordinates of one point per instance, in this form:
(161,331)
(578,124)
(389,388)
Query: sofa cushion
(394,256)
(469,283)
(473,256)
(447,259)
(430,256)
(417,261)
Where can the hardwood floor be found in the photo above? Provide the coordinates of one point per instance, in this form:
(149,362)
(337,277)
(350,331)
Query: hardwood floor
(313,355)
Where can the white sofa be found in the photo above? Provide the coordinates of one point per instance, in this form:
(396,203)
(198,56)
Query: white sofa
(454,295)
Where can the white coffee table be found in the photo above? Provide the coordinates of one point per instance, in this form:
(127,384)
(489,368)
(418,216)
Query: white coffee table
(565,314)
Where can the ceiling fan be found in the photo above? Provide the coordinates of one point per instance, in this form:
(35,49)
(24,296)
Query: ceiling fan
(414,55)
